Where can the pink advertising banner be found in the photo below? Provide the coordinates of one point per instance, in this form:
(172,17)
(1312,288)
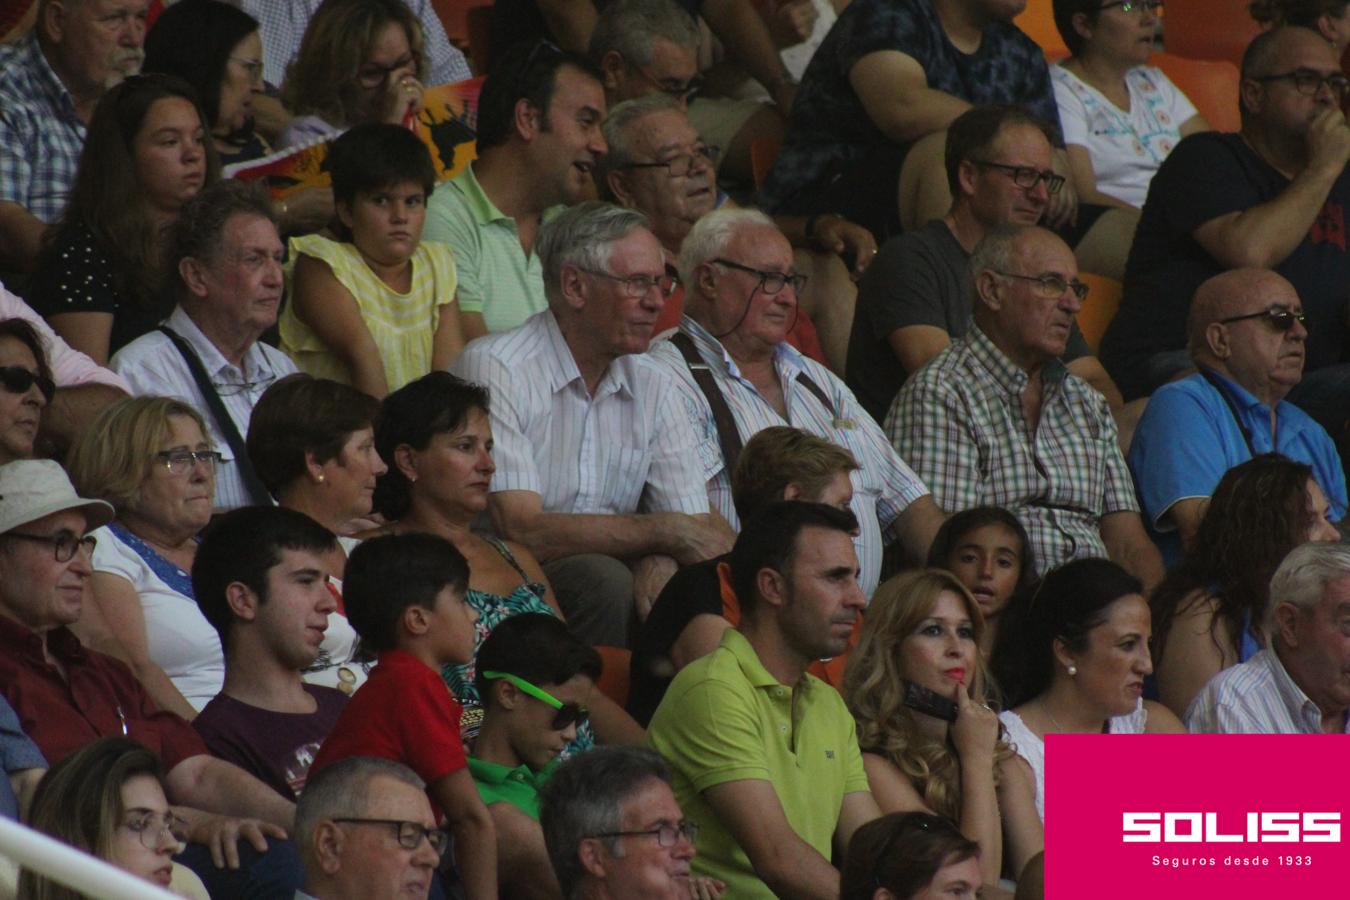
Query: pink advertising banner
(1186,816)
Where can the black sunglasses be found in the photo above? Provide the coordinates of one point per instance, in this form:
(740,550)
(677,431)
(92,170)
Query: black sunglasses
(1278,317)
(17,380)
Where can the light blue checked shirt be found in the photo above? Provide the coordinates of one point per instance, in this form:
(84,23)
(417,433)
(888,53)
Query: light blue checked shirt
(883,486)
(41,137)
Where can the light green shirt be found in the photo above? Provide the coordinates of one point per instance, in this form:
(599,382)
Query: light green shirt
(725,718)
(496,277)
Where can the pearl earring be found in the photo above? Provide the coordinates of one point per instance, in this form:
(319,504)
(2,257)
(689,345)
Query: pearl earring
(320,478)
(1073,670)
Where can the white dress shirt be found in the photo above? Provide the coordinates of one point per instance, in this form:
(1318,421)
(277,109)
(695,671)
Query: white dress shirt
(152,365)
(882,488)
(628,448)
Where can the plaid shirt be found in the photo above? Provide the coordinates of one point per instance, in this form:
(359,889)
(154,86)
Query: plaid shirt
(41,137)
(960,424)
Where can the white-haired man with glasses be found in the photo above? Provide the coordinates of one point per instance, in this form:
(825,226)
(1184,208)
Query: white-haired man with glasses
(226,259)
(738,375)
(365,830)
(1272,196)
(1247,333)
(996,419)
(598,467)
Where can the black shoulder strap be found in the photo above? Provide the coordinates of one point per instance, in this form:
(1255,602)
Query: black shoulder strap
(805,381)
(256,492)
(727,435)
(1232,407)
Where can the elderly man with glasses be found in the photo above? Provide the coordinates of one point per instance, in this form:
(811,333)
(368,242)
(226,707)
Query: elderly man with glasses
(1273,196)
(1247,339)
(227,277)
(996,419)
(599,470)
(738,375)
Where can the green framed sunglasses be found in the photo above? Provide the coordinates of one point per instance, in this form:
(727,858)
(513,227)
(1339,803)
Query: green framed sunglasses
(567,715)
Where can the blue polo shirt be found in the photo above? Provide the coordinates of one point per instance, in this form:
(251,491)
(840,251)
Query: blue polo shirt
(1188,438)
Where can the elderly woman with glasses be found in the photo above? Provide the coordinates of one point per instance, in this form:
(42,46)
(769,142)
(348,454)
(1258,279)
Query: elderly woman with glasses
(149,457)
(108,800)
(1121,117)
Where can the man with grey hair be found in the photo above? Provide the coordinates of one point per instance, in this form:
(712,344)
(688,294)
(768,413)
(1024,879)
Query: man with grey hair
(227,257)
(1247,340)
(646,47)
(599,471)
(737,375)
(365,829)
(1300,683)
(614,829)
(50,82)
(996,420)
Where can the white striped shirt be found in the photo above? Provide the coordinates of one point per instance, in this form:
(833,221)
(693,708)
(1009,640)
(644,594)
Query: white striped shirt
(882,488)
(154,368)
(1255,697)
(628,448)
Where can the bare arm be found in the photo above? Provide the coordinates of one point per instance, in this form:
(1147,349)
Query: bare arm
(330,310)
(570,22)
(524,871)
(1194,124)
(891,790)
(1161,720)
(894,91)
(916,527)
(122,635)
(1090,369)
(472,324)
(519,515)
(916,345)
(1084,178)
(448,341)
(1186,515)
(1264,235)
(21,235)
(475,836)
(24,782)
(1023,834)
(699,638)
(1128,545)
(216,786)
(71,409)
(650,574)
(856,810)
(742,31)
(88,332)
(790,867)
(1194,652)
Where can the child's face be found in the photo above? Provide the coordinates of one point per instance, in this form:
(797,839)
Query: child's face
(989,563)
(453,622)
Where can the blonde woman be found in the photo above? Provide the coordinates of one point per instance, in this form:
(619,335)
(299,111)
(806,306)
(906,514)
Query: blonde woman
(941,753)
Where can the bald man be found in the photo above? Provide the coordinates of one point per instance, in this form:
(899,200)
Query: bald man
(1246,336)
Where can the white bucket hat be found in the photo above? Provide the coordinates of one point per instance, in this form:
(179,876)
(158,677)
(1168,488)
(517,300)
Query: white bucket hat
(33,488)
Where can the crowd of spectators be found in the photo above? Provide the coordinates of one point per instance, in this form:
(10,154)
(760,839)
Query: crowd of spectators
(624,515)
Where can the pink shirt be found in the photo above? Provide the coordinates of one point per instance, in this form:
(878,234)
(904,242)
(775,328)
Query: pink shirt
(70,367)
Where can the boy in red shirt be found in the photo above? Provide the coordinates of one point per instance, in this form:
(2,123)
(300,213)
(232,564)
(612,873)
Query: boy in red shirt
(404,595)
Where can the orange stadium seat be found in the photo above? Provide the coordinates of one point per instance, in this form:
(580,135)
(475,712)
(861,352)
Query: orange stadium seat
(1038,21)
(1209,29)
(1211,84)
(1099,308)
(614,677)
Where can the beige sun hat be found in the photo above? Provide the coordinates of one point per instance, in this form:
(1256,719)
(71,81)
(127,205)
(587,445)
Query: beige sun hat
(33,488)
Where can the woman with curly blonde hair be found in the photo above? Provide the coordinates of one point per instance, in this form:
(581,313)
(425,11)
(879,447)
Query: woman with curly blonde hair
(921,635)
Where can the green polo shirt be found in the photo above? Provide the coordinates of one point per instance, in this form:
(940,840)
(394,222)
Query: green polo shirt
(496,277)
(725,718)
(519,787)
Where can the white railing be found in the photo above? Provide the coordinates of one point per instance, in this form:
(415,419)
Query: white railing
(33,850)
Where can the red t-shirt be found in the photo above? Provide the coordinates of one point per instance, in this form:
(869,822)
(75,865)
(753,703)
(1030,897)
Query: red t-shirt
(404,712)
(98,697)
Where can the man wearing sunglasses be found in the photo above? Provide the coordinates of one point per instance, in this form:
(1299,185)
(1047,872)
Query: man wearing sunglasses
(1273,196)
(996,419)
(536,680)
(1247,336)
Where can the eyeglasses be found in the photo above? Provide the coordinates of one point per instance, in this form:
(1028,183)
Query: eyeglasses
(1281,318)
(567,715)
(1026,177)
(1308,82)
(17,380)
(151,827)
(1050,285)
(677,89)
(180,461)
(373,75)
(637,285)
(682,165)
(253,67)
(1129,6)
(63,543)
(769,282)
(667,833)
(410,834)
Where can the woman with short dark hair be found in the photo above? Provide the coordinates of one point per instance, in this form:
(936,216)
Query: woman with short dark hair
(26,387)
